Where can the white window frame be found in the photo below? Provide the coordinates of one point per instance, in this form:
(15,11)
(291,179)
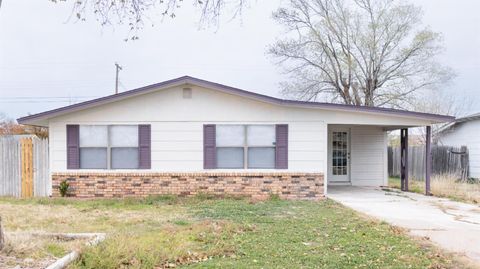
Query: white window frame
(109,148)
(245,145)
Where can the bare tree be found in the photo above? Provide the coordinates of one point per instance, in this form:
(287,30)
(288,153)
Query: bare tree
(134,13)
(445,103)
(359,52)
(10,127)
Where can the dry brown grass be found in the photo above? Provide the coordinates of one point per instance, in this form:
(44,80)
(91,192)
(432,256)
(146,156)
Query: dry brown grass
(445,186)
(71,218)
(24,220)
(35,250)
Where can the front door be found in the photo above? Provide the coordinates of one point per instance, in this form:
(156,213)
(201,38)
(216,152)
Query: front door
(339,161)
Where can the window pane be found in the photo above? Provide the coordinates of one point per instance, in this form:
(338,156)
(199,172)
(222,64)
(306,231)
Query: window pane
(230,135)
(124,158)
(124,136)
(229,157)
(261,158)
(93,136)
(93,158)
(261,135)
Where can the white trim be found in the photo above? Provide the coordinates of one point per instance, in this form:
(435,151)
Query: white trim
(329,154)
(385,159)
(325,162)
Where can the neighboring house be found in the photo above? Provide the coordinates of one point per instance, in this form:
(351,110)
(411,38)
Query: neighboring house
(464,132)
(185,136)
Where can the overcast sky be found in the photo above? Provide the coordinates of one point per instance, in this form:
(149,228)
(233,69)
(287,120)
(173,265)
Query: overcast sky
(47,61)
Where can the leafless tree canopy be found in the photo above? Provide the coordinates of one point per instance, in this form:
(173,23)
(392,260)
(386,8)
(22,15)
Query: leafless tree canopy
(9,127)
(134,13)
(359,52)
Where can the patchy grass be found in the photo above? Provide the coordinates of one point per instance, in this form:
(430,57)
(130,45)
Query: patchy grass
(414,185)
(34,250)
(223,233)
(444,186)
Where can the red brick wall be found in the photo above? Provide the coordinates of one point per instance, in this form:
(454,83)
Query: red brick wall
(305,186)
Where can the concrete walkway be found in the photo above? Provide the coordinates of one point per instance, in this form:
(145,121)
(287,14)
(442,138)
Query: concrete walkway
(451,225)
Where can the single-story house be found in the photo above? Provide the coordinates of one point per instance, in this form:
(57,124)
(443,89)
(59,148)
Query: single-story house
(186,136)
(464,132)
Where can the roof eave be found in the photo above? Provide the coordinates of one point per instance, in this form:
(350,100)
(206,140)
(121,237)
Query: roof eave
(33,119)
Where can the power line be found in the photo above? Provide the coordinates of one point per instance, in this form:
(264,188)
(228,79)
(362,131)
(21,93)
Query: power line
(48,97)
(33,101)
(45,99)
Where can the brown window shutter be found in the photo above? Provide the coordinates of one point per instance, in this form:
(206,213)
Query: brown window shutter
(209,147)
(281,146)
(73,147)
(144,146)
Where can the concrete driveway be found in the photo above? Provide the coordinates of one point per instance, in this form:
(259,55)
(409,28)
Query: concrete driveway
(451,225)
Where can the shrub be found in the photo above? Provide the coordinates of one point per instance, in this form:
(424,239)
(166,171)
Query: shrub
(63,188)
(274,197)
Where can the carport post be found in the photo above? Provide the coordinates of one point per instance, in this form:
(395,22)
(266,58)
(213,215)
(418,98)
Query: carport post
(428,159)
(404,159)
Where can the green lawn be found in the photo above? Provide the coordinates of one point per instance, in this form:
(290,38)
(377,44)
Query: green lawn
(224,233)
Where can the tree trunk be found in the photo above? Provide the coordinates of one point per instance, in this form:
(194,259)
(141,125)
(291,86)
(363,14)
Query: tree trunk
(2,239)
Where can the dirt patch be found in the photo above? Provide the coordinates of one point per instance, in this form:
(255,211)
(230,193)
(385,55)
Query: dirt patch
(28,250)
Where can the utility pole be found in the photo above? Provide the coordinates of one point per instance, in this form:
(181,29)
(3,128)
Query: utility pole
(118,68)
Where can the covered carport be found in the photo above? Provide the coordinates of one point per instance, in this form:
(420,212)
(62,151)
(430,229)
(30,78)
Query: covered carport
(357,154)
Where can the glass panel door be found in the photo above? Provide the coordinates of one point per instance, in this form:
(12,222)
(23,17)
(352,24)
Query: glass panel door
(339,157)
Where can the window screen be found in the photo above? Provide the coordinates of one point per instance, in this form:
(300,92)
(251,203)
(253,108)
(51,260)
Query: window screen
(230,158)
(93,136)
(261,158)
(93,158)
(261,135)
(124,136)
(230,136)
(124,158)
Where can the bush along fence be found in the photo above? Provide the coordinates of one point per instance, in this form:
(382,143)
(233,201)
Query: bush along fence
(445,160)
(24,167)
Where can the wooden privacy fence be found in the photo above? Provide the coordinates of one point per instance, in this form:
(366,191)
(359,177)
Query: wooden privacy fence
(24,167)
(445,160)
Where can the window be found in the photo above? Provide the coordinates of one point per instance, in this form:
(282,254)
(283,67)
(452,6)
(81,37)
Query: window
(124,146)
(93,146)
(340,153)
(109,147)
(245,146)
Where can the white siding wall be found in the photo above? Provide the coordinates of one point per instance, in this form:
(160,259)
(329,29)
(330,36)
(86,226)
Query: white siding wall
(368,156)
(466,134)
(177,127)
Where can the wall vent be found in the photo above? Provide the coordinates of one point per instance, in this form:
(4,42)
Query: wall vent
(187,93)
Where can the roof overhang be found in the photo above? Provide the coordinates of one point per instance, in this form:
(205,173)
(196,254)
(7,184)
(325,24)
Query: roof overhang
(186,80)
